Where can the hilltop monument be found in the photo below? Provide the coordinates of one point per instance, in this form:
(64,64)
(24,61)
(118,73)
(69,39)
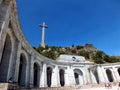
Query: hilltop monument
(43,26)
(23,68)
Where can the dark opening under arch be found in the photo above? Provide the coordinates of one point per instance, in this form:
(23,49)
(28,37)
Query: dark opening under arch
(77,75)
(36,75)
(119,71)
(62,79)
(49,75)
(109,75)
(96,76)
(5,60)
(22,70)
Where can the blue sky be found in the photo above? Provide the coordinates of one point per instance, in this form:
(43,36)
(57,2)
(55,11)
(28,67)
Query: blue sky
(72,22)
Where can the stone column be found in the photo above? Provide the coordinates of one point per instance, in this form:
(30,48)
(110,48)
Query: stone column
(87,76)
(113,74)
(104,74)
(55,77)
(58,76)
(100,75)
(92,78)
(82,80)
(17,63)
(71,76)
(116,74)
(27,76)
(43,77)
(66,77)
(83,77)
(31,70)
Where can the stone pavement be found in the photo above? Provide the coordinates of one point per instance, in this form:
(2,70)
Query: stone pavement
(100,88)
(7,86)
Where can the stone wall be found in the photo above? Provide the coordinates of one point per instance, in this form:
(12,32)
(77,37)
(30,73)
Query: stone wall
(18,59)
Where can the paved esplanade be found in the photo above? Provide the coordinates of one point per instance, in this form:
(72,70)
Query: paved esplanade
(101,88)
(43,34)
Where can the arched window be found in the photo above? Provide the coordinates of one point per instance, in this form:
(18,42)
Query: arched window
(49,75)
(62,79)
(109,75)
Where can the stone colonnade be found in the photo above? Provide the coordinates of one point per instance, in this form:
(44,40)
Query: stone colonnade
(22,65)
(101,74)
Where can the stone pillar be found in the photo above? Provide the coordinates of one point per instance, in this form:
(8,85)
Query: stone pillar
(66,77)
(43,77)
(83,78)
(93,78)
(17,63)
(116,74)
(87,74)
(31,70)
(71,76)
(58,76)
(55,77)
(100,75)
(27,76)
(113,74)
(104,74)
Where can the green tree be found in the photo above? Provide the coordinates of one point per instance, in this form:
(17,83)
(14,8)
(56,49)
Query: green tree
(84,53)
(113,59)
(79,47)
(73,51)
(98,58)
(40,49)
(106,58)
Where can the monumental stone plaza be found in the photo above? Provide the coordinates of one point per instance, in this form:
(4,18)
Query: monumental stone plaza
(21,65)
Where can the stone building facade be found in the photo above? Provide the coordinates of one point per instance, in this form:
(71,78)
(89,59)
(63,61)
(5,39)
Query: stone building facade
(21,64)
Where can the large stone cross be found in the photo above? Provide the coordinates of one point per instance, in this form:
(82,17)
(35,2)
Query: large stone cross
(43,26)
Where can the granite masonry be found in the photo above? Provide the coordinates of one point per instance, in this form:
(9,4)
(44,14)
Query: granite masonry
(21,65)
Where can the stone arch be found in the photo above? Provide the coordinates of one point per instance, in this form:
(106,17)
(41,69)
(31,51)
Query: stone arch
(49,76)
(119,71)
(22,70)
(109,75)
(78,74)
(62,78)
(5,60)
(36,77)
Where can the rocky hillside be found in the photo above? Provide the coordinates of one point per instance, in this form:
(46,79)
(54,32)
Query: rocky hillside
(88,51)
